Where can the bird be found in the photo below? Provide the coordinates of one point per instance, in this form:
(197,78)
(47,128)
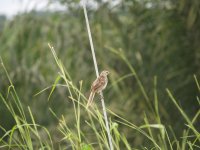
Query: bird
(98,86)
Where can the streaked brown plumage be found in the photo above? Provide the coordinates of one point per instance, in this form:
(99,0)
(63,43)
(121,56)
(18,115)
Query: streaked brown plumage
(97,86)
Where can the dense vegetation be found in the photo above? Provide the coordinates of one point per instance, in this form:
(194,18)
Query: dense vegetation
(152,50)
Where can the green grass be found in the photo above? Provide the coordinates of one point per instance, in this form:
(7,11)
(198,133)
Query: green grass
(28,134)
(152,97)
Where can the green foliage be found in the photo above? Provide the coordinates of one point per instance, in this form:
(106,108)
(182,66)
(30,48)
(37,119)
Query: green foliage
(31,135)
(148,46)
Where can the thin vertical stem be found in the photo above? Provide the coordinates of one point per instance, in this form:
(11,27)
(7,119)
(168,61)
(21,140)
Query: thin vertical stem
(90,39)
(97,74)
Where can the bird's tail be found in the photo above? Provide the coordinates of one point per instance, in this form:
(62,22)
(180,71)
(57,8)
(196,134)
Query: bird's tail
(91,97)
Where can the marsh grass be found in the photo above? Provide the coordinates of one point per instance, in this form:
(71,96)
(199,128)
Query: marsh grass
(24,134)
(78,128)
(27,134)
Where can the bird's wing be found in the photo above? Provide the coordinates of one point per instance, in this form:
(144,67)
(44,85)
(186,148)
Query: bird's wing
(97,84)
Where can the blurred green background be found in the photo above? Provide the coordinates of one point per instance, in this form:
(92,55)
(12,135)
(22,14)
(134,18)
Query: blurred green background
(159,38)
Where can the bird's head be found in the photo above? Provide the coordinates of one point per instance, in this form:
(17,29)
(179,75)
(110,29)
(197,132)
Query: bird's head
(105,73)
